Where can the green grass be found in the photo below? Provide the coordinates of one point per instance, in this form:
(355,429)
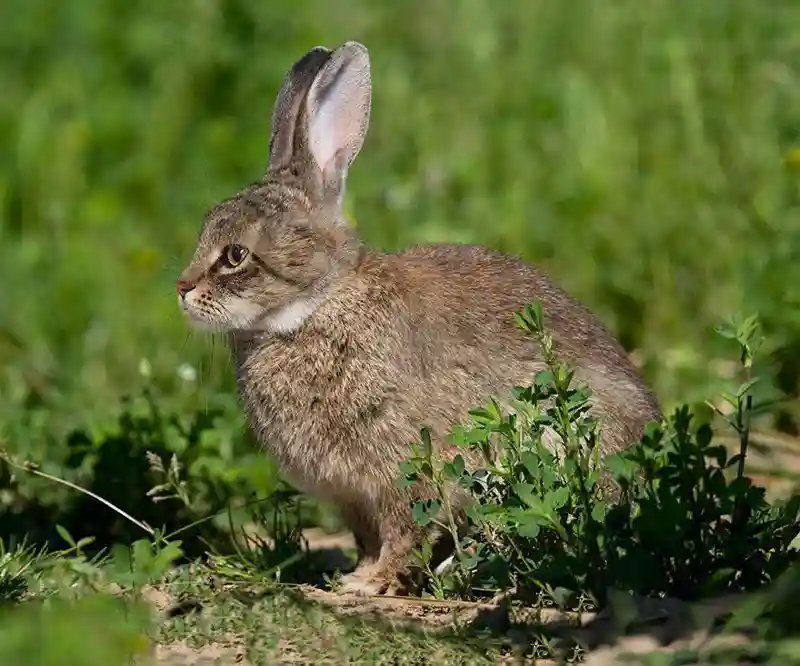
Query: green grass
(644,153)
(284,627)
(636,151)
(196,613)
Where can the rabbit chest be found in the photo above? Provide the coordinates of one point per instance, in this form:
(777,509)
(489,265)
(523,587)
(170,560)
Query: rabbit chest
(328,407)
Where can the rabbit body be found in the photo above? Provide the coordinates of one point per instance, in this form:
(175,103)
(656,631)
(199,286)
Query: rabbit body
(342,354)
(413,339)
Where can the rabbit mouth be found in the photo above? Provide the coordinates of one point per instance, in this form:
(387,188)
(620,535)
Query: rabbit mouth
(201,319)
(206,313)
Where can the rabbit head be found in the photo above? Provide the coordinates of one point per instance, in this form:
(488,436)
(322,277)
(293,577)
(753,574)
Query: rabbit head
(266,257)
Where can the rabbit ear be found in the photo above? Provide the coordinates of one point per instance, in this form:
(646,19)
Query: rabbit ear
(337,112)
(288,104)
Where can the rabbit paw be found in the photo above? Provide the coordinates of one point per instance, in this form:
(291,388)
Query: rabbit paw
(363,585)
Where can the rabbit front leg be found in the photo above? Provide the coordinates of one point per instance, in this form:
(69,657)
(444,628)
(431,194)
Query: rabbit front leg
(366,533)
(399,534)
(383,563)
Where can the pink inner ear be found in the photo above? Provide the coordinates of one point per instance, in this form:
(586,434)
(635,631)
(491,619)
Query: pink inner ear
(339,107)
(324,134)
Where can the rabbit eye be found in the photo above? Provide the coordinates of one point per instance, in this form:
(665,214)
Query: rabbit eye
(233,255)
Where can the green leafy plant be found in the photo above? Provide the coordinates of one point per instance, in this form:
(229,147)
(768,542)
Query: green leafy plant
(19,564)
(112,462)
(265,540)
(672,515)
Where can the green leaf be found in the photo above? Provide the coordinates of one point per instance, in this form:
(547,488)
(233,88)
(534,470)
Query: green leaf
(530,318)
(599,511)
(747,329)
(525,492)
(495,410)
(622,606)
(734,460)
(480,415)
(165,558)
(521,322)
(407,467)
(531,462)
(454,469)
(468,561)
(723,574)
(746,387)
(62,531)
(427,550)
(425,511)
(121,561)
(726,330)
(408,471)
(530,525)
(142,555)
(704,435)
(548,477)
(544,379)
(556,499)
(719,454)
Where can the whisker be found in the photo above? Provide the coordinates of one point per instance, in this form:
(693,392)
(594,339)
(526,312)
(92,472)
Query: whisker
(186,339)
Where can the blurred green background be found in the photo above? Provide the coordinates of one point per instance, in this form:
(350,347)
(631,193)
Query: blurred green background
(639,150)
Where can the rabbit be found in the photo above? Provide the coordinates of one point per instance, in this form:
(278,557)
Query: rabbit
(342,353)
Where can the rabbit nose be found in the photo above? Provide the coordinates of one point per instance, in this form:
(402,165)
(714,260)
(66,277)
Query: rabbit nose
(184,288)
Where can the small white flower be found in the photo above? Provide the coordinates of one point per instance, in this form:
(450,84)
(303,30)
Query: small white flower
(186,372)
(145,369)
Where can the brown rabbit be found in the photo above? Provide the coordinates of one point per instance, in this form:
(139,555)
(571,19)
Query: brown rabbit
(343,353)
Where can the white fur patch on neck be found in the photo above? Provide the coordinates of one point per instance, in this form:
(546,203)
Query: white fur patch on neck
(291,317)
(242,314)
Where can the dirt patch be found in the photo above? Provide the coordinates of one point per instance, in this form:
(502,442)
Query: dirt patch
(319,539)
(639,626)
(433,613)
(630,626)
(158,597)
(213,654)
(631,649)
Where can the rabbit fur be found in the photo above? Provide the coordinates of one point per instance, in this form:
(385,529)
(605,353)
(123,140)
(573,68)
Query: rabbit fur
(342,353)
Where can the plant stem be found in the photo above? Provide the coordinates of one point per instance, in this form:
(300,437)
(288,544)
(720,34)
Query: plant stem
(743,418)
(448,510)
(744,435)
(69,484)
